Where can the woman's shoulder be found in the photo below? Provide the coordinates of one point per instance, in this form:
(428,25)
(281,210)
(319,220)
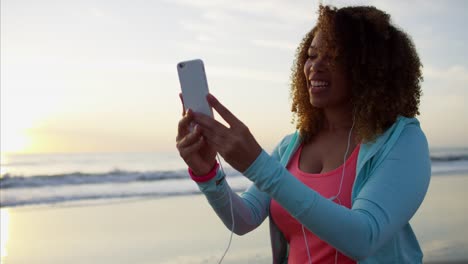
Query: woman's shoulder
(405,133)
(288,139)
(390,135)
(287,144)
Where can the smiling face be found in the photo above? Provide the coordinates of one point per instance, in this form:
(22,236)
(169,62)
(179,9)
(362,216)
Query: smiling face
(327,85)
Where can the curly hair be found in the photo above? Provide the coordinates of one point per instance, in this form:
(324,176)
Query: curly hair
(384,70)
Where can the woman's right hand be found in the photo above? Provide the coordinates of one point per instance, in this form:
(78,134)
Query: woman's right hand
(192,147)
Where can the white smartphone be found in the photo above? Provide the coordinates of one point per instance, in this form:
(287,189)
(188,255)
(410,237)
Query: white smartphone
(194,86)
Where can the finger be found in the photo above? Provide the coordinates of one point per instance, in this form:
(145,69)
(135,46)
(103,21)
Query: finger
(184,124)
(214,140)
(209,123)
(185,152)
(217,141)
(190,138)
(230,118)
(182,101)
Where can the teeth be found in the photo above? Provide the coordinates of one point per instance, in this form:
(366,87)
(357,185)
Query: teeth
(318,83)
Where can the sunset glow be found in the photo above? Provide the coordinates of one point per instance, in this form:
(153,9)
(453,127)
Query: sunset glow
(100,77)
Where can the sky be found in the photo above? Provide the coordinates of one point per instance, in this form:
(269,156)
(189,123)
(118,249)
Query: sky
(100,76)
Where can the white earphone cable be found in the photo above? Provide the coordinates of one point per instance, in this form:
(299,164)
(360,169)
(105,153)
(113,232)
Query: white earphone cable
(232,214)
(303,230)
(333,197)
(307,245)
(344,164)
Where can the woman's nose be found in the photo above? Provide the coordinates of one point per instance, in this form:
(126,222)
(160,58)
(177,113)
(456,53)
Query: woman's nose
(318,64)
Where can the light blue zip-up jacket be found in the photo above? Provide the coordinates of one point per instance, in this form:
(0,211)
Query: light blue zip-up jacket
(392,178)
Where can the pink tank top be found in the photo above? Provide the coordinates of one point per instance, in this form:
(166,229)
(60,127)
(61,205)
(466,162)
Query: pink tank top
(326,184)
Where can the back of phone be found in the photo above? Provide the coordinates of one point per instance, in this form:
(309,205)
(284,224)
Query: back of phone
(194,86)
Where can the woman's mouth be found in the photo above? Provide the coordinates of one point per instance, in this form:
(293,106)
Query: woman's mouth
(318,86)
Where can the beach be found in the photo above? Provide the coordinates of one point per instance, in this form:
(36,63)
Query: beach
(179,229)
(93,168)
(184,229)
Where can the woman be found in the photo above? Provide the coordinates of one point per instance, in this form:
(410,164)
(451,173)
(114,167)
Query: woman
(343,188)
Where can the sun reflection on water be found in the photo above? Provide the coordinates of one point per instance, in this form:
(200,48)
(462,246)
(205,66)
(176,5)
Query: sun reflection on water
(3,161)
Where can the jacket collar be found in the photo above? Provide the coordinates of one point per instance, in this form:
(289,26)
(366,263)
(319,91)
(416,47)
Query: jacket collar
(367,150)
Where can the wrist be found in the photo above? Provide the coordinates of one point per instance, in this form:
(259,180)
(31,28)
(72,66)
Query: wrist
(202,171)
(203,177)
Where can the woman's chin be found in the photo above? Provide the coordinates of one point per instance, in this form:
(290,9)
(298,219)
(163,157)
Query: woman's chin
(317,103)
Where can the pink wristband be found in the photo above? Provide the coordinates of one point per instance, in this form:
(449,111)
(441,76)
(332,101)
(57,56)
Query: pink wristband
(204,178)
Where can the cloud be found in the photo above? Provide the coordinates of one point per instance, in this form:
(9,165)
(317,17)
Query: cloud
(441,249)
(97,12)
(399,8)
(233,29)
(43,65)
(442,82)
(100,15)
(455,73)
(275,9)
(275,44)
(443,107)
(245,19)
(248,74)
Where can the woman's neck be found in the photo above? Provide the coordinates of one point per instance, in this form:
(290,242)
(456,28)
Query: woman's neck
(339,118)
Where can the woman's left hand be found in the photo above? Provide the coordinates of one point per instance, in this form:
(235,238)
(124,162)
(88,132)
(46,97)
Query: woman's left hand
(235,144)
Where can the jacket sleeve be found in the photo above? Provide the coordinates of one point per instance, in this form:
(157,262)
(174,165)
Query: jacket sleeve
(389,198)
(250,208)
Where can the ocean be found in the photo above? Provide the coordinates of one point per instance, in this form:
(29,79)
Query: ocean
(33,179)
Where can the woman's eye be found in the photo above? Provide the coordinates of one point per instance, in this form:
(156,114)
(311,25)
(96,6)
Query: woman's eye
(312,56)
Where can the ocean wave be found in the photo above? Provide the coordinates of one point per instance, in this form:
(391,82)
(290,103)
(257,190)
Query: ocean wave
(449,157)
(64,188)
(449,171)
(79,178)
(20,190)
(50,200)
(111,190)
